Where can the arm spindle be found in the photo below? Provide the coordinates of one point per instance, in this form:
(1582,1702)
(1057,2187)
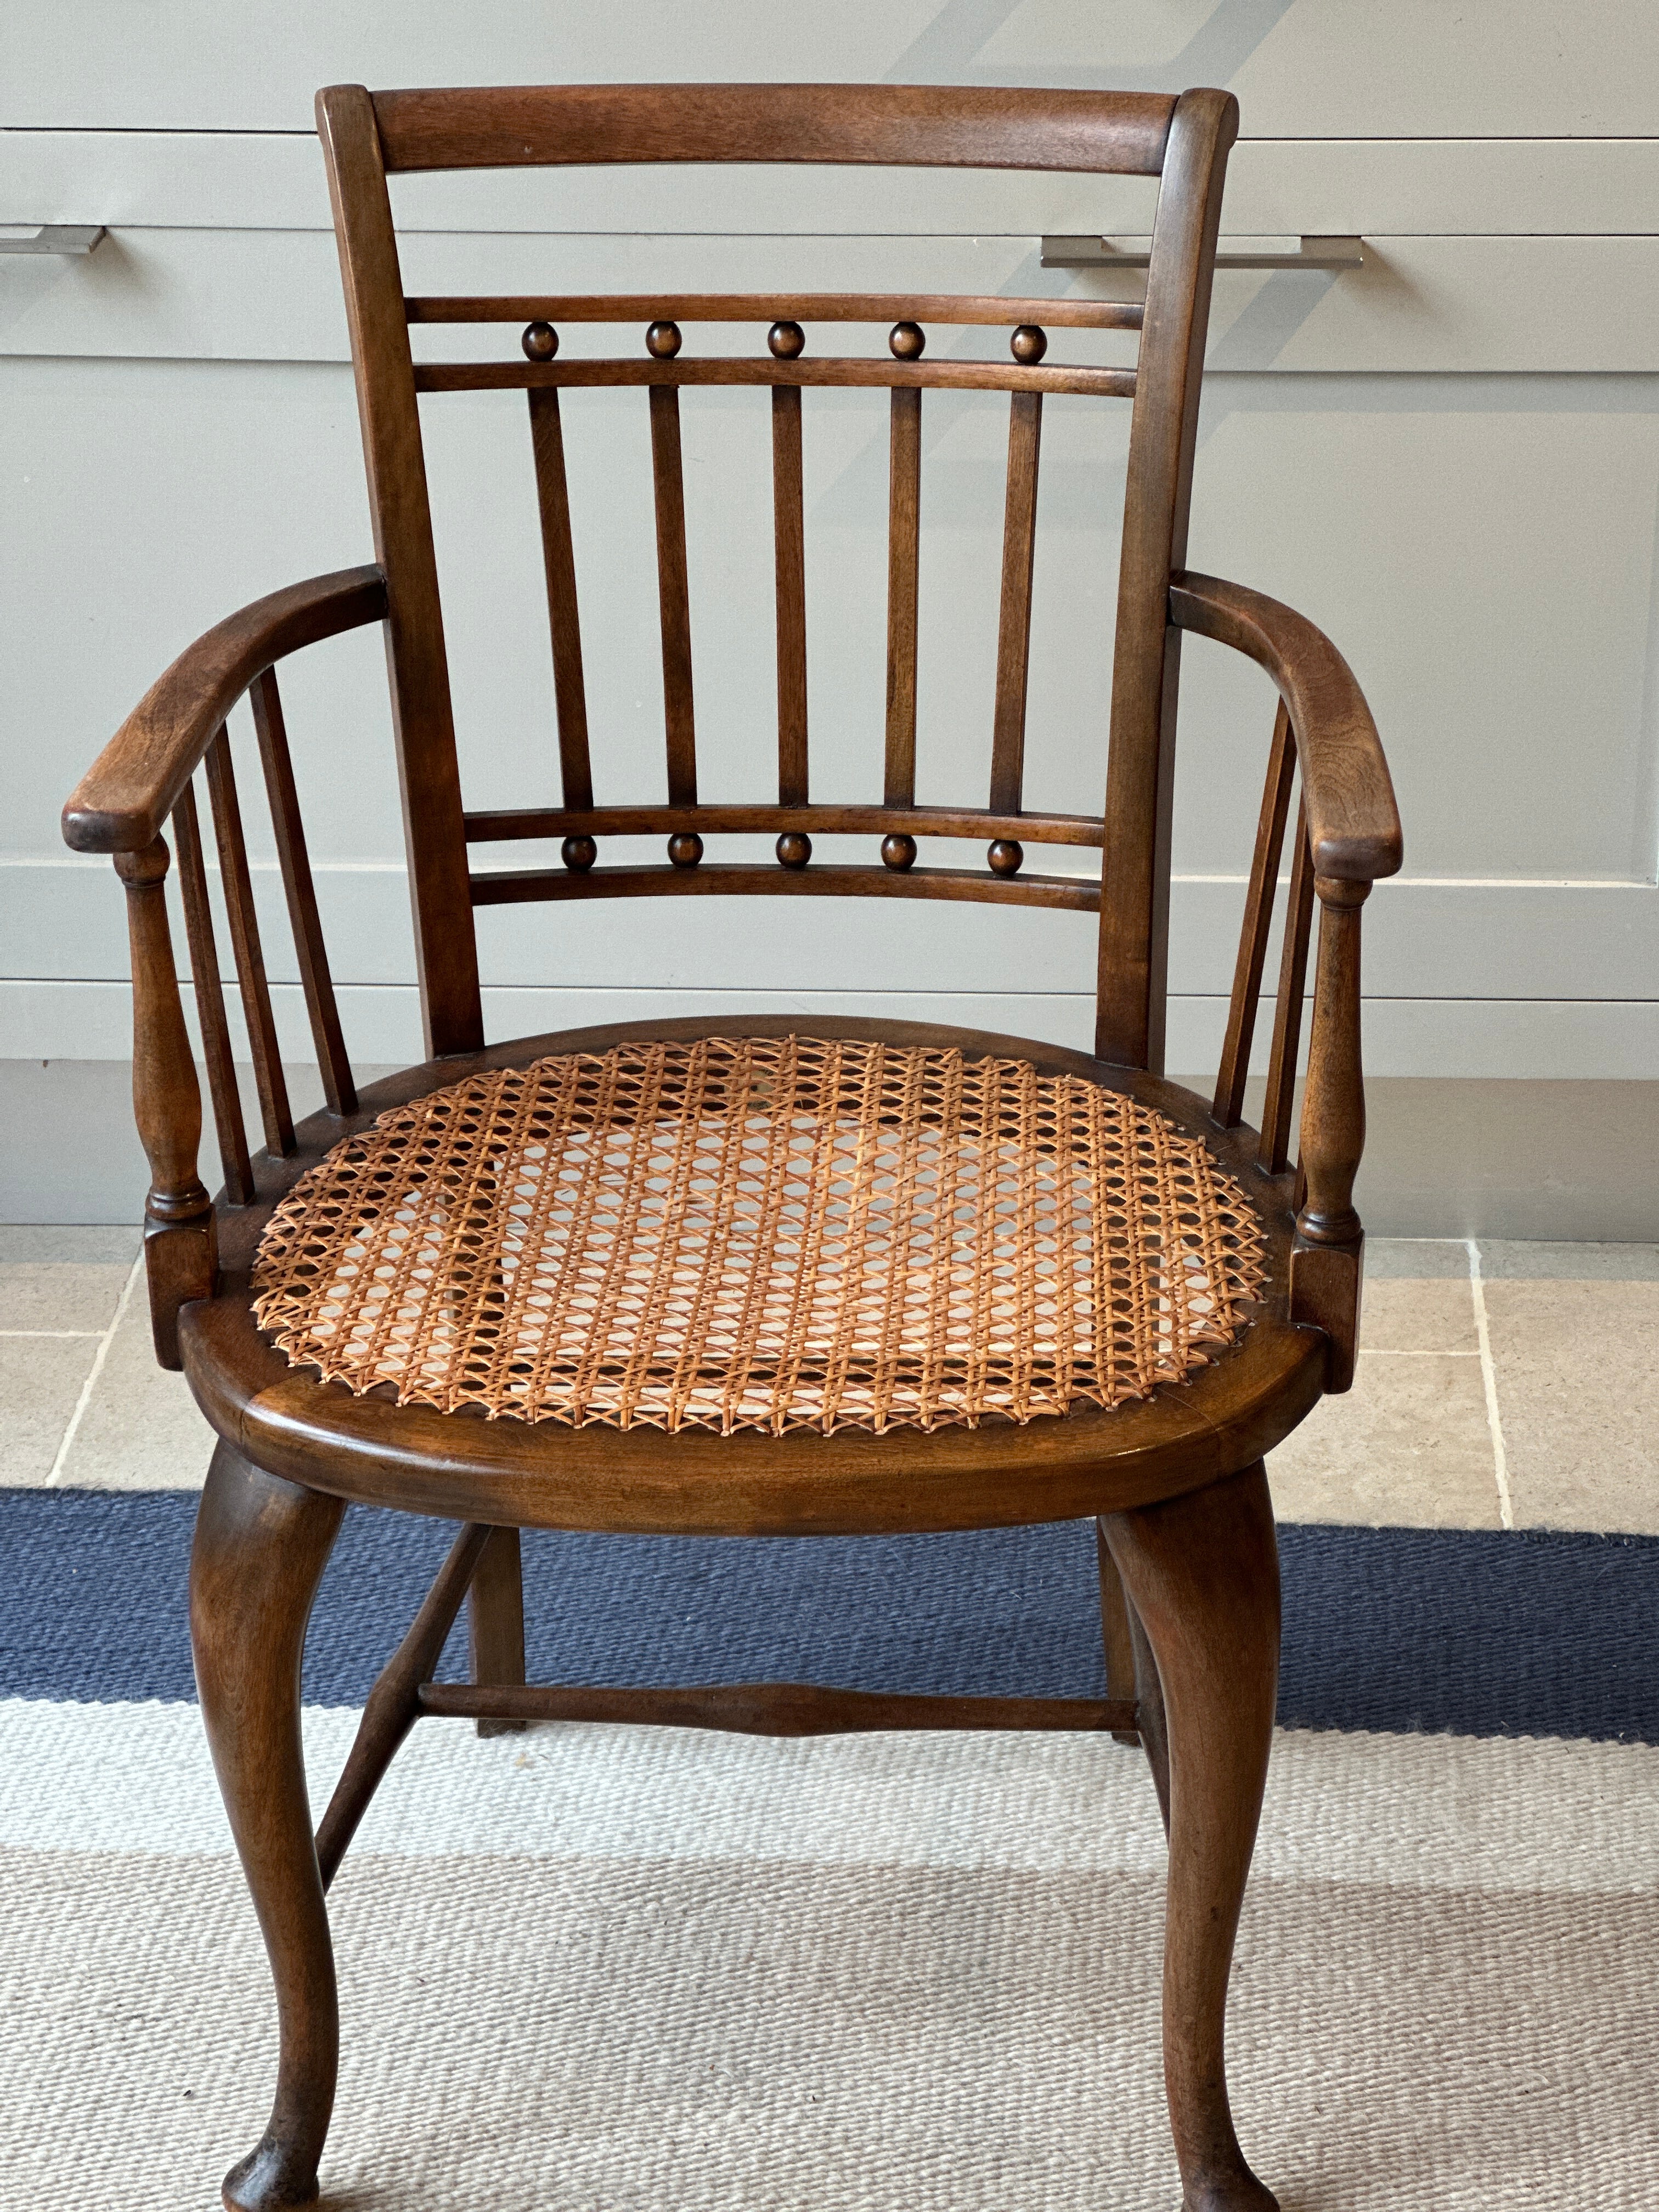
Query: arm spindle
(1328,1258)
(1229,1108)
(210,1002)
(181,1253)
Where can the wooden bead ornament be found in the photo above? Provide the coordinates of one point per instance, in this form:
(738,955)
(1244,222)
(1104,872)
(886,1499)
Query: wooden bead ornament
(898,852)
(1028,344)
(662,340)
(685,848)
(579,854)
(786,340)
(540,342)
(906,341)
(794,848)
(1006,857)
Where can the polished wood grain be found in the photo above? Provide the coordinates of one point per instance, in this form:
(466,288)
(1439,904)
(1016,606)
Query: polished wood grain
(288,829)
(393,1706)
(789,533)
(181,1239)
(1134,922)
(1202,1574)
(210,993)
(1116,1634)
(121,803)
(508,825)
(261,1545)
(850,373)
(1274,1152)
(1326,1259)
(1014,618)
(559,563)
(777,1709)
(1235,1069)
(495,1623)
(519,886)
(446,953)
(250,977)
(951,308)
(929,126)
(668,477)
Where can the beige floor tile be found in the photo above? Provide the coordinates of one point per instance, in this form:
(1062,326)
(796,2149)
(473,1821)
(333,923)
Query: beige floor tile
(40,1380)
(1401,1315)
(39,1244)
(60,1294)
(141,1430)
(1577,1370)
(1409,1445)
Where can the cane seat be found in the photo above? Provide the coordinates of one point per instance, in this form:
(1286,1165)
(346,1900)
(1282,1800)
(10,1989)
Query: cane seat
(774,1233)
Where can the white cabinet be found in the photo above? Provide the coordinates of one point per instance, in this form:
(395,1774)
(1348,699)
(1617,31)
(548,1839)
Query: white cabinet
(1450,459)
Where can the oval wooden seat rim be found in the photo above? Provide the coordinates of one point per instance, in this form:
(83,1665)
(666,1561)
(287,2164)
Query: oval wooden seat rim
(549,1474)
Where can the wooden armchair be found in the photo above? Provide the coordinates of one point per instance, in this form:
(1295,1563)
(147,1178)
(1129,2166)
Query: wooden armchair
(751,1276)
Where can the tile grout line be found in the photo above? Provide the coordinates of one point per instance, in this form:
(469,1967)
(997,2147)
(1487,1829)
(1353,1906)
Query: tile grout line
(6,1334)
(1500,1464)
(98,1359)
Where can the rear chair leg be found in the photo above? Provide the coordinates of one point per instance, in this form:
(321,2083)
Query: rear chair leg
(1201,1573)
(496,1620)
(261,1545)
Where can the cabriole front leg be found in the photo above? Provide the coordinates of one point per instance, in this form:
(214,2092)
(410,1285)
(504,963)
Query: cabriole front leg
(261,1545)
(1202,1574)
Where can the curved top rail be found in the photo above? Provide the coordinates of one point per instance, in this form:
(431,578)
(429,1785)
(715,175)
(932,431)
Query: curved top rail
(902,126)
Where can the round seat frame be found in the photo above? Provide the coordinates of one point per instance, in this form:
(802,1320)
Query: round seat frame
(545,1474)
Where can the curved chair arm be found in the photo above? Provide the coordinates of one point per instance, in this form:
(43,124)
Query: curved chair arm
(1353,823)
(120,803)
(1353,837)
(119,806)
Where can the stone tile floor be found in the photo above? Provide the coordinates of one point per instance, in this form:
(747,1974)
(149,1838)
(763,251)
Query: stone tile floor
(1500,1385)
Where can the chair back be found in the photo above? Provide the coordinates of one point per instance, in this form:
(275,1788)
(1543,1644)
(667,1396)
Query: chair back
(1183,141)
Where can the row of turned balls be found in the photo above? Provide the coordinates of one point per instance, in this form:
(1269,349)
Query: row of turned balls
(787,341)
(794,849)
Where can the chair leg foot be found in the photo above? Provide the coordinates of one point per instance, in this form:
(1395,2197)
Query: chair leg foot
(261,1545)
(1201,1573)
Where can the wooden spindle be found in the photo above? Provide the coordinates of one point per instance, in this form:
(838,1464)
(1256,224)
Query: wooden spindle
(668,472)
(339,1087)
(904,550)
(1229,1108)
(789,533)
(245,943)
(559,561)
(211,1003)
(181,1249)
(1328,1257)
(1014,626)
(1274,1150)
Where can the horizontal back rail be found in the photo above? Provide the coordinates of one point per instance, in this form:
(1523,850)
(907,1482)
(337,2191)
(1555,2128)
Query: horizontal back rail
(850,372)
(910,126)
(714,818)
(948,307)
(521,886)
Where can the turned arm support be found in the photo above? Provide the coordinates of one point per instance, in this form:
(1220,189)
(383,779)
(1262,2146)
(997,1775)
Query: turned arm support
(1354,837)
(120,807)
(123,800)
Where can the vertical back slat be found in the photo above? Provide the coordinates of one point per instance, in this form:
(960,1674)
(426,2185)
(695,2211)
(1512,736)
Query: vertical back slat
(559,559)
(318,983)
(1134,908)
(903,547)
(435,832)
(789,534)
(210,1002)
(1274,1150)
(668,472)
(1014,625)
(245,942)
(1258,921)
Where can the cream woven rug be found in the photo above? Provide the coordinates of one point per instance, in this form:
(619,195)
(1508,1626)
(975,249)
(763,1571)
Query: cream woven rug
(626,1971)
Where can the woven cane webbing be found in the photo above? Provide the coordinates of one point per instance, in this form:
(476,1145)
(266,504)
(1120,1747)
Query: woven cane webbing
(763,1233)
